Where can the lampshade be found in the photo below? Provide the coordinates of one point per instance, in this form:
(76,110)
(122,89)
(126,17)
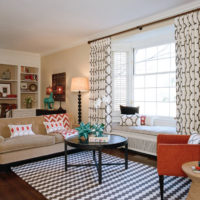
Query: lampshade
(79,84)
(49,90)
(59,90)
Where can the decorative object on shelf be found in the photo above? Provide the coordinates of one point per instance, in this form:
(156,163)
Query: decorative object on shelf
(33,87)
(5,109)
(6,75)
(49,101)
(84,130)
(59,91)
(79,84)
(5,89)
(59,80)
(1,94)
(26,69)
(31,77)
(28,101)
(24,86)
(11,96)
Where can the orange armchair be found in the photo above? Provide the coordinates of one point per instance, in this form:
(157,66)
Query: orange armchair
(172,152)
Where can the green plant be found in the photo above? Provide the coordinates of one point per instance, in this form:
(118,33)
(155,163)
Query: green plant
(84,130)
(28,100)
(97,129)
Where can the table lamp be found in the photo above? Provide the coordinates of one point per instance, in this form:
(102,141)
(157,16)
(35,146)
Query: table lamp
(59,91)
(79,84)
(49,90)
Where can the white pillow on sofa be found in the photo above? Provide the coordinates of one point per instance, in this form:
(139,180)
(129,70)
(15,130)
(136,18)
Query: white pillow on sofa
(20,130)
(129,120)
(194,138)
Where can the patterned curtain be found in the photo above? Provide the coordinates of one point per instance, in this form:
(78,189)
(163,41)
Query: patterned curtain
(100,108)
(187,36)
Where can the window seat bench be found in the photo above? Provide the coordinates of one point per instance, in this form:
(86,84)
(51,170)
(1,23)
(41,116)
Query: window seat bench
(142,138)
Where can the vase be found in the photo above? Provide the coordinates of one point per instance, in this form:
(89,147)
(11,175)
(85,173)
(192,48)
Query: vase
(28,105)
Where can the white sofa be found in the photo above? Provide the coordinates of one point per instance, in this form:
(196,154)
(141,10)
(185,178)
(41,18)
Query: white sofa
(144,138)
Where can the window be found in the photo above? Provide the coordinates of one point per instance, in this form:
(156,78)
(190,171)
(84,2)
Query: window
(155,81)
(119,66)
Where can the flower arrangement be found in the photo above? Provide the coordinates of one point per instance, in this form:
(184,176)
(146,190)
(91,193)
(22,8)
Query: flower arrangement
(100,101)
(87,129)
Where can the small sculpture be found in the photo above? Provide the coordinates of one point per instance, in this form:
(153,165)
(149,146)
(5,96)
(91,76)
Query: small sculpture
(84,130)
(49,102)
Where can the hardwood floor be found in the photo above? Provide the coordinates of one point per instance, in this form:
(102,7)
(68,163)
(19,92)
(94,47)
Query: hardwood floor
(14,188)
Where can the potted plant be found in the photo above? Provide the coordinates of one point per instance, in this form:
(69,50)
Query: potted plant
(28,102)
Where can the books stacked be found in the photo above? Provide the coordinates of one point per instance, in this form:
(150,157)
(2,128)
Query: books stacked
(196,169)
(105,138)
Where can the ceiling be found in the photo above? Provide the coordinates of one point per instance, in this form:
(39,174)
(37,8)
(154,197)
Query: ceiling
(41,26)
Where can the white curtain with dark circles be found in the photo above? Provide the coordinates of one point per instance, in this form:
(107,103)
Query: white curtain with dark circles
(187,38)
(100,107)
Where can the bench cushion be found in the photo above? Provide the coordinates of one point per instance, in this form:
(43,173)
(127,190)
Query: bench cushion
(149,130)
(25,142)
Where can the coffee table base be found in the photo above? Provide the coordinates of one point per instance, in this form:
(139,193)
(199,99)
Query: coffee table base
(99,163)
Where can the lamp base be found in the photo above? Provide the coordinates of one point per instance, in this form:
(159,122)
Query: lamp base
(60,109)
(79,107)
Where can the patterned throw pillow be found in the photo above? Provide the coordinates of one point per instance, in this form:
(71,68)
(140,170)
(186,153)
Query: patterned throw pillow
(143,119)
(130,120)
(146,120)
(20,130)
(194,139)
(54,126)
(129,110)
(57,118)
(68,133)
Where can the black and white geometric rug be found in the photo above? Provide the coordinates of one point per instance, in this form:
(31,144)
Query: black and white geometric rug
(139,182)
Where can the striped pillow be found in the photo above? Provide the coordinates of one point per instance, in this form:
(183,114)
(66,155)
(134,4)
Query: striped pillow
(57,118)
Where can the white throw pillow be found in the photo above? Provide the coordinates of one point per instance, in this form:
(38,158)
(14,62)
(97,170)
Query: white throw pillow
(20,130)
(149,121)
(194,138)
(54,126)
(130,120)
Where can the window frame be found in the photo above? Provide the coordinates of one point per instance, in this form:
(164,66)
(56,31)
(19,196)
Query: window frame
(155,73)
(128,50)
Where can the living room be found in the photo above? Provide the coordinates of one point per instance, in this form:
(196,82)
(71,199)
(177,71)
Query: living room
(99,100)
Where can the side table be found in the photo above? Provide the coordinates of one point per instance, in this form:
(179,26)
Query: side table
(194,193)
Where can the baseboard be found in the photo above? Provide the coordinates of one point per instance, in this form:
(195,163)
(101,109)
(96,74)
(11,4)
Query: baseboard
(142,153)
(6,167)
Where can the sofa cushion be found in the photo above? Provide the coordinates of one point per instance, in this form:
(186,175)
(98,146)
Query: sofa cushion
(58,137)
(1,139)
(25,142)
(150,130)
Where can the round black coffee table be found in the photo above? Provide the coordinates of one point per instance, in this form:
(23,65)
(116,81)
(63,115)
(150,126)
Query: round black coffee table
(114,142)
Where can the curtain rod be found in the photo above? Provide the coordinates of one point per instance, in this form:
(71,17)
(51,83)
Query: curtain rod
(143,25)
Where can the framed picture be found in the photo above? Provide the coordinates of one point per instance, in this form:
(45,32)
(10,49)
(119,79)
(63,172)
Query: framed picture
(59,80)
(5,89)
